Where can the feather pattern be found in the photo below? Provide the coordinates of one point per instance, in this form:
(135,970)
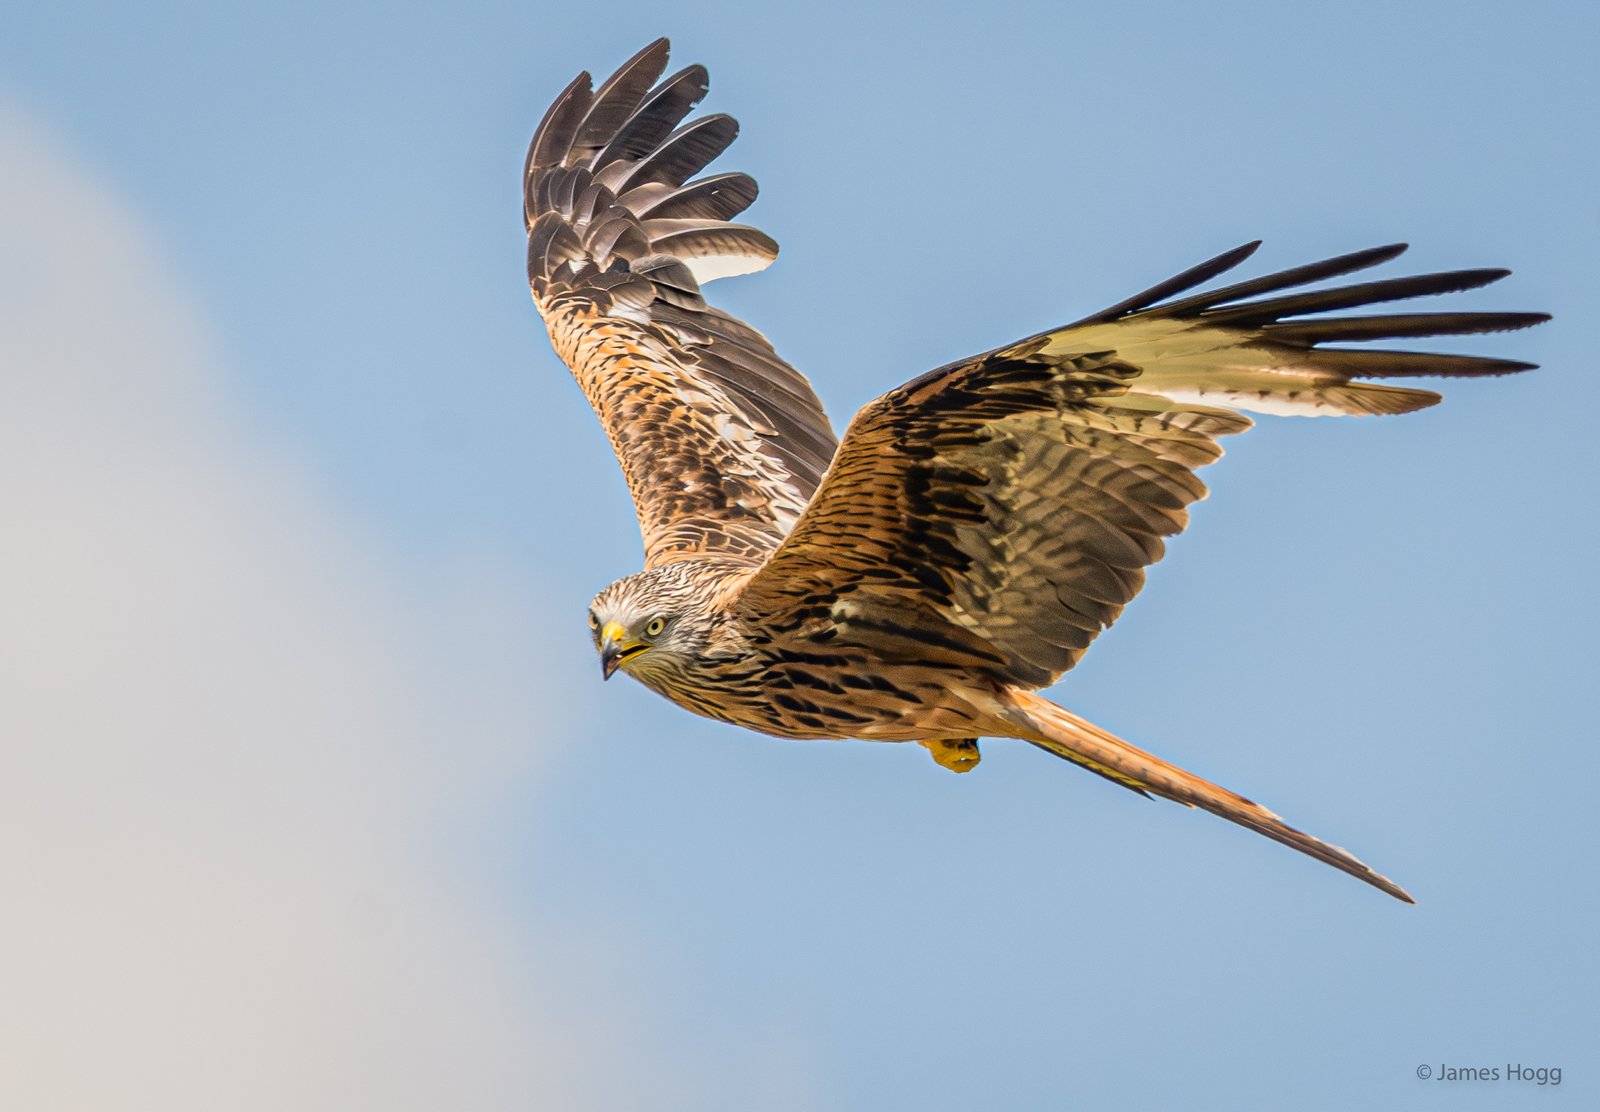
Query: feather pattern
(719,197)
(1022,493)
(721,441)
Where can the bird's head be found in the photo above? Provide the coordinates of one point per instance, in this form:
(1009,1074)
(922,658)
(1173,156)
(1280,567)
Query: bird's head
(648,623)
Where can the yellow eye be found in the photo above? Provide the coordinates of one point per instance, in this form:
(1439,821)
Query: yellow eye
(655,627)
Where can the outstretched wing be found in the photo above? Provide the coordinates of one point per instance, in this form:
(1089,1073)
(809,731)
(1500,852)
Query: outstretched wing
(1020,494)
(722,442)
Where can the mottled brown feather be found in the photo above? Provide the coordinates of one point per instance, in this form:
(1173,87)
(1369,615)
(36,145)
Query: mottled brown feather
(722,442)
(1023,492)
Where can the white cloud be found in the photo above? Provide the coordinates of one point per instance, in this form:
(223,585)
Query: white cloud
(231,757)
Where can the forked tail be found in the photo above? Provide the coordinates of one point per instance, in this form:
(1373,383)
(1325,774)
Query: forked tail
(1066,735)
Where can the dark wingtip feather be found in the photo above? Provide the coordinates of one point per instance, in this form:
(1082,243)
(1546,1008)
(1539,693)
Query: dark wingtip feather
(553,137)
(661,111)
(1190,278)
(621,96)
(720,197)
(1370,363)
(684,153)
(1334,329)
(1283,279)
(1255,314)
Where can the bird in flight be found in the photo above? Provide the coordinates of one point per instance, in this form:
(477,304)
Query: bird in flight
(975,529)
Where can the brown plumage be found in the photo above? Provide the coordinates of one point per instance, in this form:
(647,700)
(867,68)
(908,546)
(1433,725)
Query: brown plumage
(978,527)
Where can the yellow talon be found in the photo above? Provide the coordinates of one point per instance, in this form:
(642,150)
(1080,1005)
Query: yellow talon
(957,754)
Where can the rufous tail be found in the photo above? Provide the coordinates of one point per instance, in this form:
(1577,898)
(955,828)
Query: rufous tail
(1063,733)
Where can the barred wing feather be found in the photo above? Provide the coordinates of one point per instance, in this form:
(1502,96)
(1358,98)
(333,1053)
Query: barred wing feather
(1020,494)
(722,442)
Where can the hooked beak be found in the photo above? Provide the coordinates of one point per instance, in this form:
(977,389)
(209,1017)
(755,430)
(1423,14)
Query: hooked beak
(616,648)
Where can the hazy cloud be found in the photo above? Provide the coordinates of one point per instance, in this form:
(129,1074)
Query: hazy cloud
(235,749)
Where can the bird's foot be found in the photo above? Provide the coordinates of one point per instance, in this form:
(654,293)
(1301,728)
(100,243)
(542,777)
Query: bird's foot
(958,754)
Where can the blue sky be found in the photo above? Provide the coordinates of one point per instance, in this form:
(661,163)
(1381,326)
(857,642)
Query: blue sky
(316,799)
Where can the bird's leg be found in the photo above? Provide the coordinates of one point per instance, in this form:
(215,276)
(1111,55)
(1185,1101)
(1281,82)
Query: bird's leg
(958,754)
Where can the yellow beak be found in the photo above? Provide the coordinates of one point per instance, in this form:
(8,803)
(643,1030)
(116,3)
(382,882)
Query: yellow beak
(616,648)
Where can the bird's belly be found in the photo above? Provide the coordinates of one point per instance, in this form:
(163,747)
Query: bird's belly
(789,701)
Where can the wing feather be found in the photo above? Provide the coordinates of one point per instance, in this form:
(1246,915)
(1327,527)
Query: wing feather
(721,441)
(1021,494)
(683,154)
(719,197)
(616,100)
(645,129)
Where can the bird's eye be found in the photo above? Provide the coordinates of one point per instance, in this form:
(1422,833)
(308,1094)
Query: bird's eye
(655,627)
(594,622)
